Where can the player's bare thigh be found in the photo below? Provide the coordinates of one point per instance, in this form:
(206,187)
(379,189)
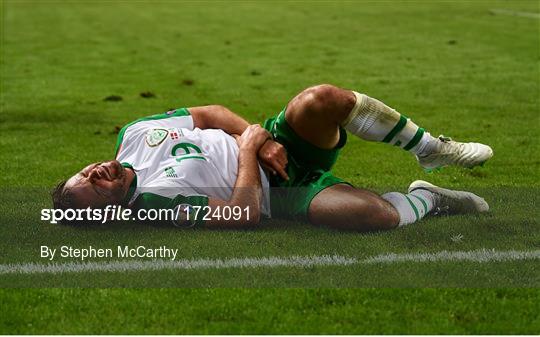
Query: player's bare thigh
(345,207)
(315,114)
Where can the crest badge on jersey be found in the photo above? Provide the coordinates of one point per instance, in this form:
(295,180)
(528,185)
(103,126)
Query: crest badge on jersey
(155,137)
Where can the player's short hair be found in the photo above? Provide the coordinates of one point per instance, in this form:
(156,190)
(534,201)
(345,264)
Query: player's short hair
(63,199)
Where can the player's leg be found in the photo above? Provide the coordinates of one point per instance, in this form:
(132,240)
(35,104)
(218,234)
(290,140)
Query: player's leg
(345,207)
(317,113)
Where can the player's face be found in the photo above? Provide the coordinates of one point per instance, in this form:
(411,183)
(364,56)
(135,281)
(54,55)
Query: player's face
(99,184)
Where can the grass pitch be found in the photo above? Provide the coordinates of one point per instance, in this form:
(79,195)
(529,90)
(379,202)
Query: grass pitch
(465,69)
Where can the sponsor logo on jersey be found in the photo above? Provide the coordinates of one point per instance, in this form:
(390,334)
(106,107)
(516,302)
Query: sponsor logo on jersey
(155,137)
(170,172)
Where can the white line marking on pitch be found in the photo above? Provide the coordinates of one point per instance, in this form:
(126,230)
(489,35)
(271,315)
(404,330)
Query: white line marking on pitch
(478,256)
(515,13)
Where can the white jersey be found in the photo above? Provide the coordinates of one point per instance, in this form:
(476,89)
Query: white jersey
(177,164)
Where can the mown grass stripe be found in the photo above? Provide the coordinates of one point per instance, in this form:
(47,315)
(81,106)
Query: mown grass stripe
(478,256)
(515,13)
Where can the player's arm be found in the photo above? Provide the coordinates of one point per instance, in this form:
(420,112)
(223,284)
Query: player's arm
(247,189)
(218,117)
(272,154)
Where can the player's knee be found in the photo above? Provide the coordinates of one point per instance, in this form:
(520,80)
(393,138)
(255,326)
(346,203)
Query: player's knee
(317,98)
(376,216)
(322,91)
(327,101)
(382,215)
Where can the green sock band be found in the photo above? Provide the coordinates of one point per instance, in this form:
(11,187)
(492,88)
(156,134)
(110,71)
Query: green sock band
(399,126)
(415,140)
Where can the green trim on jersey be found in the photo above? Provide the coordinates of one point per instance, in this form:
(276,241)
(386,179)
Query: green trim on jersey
(149,200)
(177,113)
(133,185)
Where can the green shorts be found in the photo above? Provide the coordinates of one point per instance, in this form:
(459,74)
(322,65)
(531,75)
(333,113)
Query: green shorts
(308,169)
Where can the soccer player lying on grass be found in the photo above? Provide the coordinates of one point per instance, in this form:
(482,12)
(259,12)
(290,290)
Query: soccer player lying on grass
(208,156)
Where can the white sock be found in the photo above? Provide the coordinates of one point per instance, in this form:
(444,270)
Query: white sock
(411,207)
(372,120)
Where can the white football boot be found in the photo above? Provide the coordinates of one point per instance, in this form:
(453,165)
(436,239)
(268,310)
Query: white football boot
(450,201)
(448,152)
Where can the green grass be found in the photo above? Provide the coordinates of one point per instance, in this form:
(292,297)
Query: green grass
(453,67)
(264,311)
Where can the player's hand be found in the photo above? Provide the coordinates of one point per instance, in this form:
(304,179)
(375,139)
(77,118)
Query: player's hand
(253,138)
(273,157)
